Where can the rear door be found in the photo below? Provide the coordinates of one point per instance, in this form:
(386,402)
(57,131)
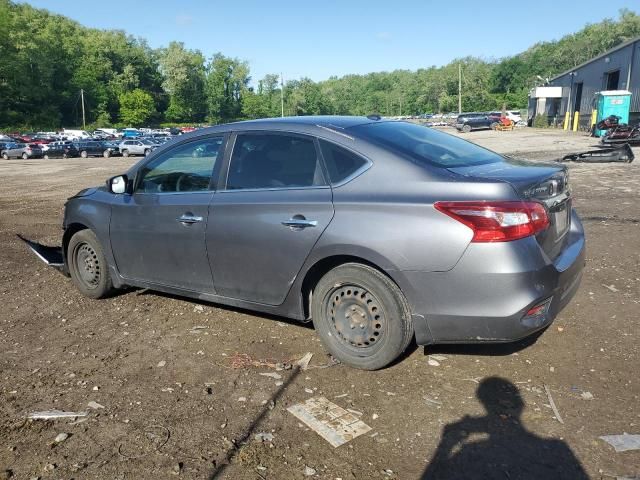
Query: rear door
(158,233)
(275,205)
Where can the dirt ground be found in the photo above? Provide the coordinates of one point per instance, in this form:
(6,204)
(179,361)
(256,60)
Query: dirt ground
(174,405)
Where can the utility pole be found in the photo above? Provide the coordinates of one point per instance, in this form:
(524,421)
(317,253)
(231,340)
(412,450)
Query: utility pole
(459,88)
(83,119)
(400,105)
(281,94)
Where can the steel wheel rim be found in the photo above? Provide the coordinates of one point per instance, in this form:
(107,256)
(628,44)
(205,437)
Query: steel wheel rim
(356,316)
(87,265)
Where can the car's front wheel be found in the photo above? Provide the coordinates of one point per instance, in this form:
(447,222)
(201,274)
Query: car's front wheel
(466,128)
(147,152)
(84,154)
(106,153)
(88,265)
(25,156)
(125,153)
(46,157)
(361,316)
(5,156)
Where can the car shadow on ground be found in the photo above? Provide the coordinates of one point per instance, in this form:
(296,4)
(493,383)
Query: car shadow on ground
(498,446)
(485,349)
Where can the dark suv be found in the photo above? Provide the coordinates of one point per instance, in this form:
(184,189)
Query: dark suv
(476,121)
(95,149)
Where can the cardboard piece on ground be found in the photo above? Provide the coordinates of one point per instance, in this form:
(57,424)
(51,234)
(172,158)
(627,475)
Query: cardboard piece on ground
(332,422)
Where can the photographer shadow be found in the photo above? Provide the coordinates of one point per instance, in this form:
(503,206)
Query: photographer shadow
(497,445)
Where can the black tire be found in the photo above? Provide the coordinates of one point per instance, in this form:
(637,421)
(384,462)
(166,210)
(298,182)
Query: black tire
(46,157)
(147,152)
(84,154)
(88,265)
(361,316)
(106,154)
(25,156)
(5,156)
(494,126)
(466,128)
(125,153)
(64,155)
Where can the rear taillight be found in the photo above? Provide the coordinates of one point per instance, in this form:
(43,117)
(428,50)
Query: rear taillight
(498,221)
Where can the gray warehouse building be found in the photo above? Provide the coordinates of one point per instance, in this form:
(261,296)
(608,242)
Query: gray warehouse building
(573,90)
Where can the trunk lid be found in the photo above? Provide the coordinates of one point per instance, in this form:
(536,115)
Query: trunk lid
(542,182)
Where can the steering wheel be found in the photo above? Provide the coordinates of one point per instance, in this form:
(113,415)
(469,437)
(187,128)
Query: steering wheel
(179,181)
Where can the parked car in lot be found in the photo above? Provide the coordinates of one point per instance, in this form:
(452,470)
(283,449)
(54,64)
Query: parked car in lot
(475,121)
(95,149)
(376,231)
(21,150)
(137,147)
(61,149)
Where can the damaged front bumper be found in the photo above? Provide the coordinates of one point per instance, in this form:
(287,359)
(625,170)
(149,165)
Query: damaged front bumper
(52,256)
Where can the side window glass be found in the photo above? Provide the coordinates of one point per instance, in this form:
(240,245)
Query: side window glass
(274,161)
(186,168)
(340,162)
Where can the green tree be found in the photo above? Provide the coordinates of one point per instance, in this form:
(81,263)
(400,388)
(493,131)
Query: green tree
(226,82)
(183,80)
(136,108)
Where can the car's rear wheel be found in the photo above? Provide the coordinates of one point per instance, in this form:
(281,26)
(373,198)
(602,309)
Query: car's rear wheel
(84,154)
(25,156)
(494,126)
(125,153)
(361,316)
(46,157)
(466,128)
(5,156)
(147,152)
(88,265)
(106,154)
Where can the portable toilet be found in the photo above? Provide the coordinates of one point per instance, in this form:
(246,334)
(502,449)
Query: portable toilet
(611,102)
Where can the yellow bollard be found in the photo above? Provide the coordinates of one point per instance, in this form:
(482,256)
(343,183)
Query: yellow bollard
(576,117)
(566,121)
(594,117)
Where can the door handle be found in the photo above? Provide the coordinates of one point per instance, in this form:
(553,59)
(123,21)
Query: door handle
(299,223)
(189,219)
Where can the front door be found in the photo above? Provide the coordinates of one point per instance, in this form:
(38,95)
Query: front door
(265,223)
(158,232)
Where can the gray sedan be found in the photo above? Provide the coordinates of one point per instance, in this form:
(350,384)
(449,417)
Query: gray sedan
(378,232)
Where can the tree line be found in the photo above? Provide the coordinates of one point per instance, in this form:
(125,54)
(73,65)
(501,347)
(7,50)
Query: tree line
(47,59)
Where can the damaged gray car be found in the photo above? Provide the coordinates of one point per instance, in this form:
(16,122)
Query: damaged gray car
(378,232)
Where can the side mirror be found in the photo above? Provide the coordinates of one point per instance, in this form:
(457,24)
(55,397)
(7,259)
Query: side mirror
(118,184)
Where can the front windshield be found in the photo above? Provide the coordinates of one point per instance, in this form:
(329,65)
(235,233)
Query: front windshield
(425,145)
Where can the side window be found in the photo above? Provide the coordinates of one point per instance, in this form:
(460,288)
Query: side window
(186,168)
(274,161)
(340,162)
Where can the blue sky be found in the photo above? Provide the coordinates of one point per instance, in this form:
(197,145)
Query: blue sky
(318,39)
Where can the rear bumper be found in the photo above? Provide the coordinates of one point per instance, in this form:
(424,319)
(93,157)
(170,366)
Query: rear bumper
(486,296)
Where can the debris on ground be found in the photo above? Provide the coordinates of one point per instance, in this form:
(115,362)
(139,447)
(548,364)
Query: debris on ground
(332,422)
(264,437)
(586,395)
(433,362)
(162,363)
(622,443)
(275,375)
(61,437)
(303,363)
(553,405)
(309,472)
(94,405)
(611,288)
(622,154)
(53,414)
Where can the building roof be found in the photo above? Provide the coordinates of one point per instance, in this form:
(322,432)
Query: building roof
(604,54)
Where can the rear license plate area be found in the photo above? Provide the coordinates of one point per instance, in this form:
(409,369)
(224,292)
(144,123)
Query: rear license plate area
(561,215)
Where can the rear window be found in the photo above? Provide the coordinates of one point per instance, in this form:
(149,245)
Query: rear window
(426,146)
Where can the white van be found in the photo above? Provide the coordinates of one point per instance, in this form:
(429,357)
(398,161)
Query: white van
(108,131)
(76,134)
